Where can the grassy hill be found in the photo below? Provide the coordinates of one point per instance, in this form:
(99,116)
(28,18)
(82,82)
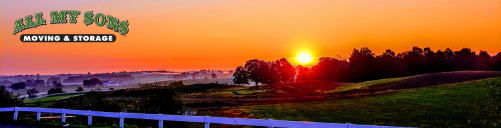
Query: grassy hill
(468,104)
(417,81)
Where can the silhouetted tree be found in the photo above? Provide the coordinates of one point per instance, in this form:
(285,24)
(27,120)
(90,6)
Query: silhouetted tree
(255,69)
(363,65)
(390,64)
(305,73)
(240,76)
(331,69)
(95,81)
(465,59)
(29,83)
(497,62)
(8,99)
(55,90)
(214,76)
(50,81)
(414,61)
(86,83)
(286,71)
(485,61)
(32,92)
(79,89)
(17,86)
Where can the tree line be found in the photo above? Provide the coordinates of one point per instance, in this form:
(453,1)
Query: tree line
(363,65)
(111,77)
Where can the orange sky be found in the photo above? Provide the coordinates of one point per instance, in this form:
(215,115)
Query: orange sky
(222,34)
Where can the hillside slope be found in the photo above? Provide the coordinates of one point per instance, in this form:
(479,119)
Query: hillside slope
(417,81)
(467,104)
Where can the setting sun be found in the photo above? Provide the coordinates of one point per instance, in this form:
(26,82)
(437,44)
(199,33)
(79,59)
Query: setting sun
(304,58)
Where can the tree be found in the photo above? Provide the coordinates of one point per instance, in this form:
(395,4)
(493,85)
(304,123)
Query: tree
(32,92)
(390,64)
(86,83)
(364,66)
(485,61)
(304,73)
(29,83)
(255,69)
(331,69)
(286,71)
(55,90)
(265,72)
(497,62)
(464,59)
(17,86)
(54,83)
(95,81)
(240,76)
(8,99)
(79,89)
(214,76)
(414,61)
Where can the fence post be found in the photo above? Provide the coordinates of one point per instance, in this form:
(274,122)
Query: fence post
(348,125)
(38,115)
(89,120)
(121,120)
(207,124)
(15,114)
(63,115)
(270,126)
(160,122)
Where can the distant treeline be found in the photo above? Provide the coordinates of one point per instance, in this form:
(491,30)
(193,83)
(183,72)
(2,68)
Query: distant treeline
(364,65)
(116,78)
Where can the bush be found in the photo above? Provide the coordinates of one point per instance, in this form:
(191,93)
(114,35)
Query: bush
(79,89)
(55,90)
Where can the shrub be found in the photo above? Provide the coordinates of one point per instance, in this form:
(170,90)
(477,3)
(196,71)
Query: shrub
(55,90)
(79,89)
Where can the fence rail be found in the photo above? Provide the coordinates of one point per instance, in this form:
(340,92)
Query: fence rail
(198,119)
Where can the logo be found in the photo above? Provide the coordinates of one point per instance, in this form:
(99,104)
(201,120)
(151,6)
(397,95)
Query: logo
(99,19)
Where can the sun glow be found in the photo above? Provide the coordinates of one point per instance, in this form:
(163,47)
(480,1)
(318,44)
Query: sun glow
(304,58)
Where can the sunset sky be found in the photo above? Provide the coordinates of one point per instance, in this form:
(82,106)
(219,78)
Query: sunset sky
(183,35)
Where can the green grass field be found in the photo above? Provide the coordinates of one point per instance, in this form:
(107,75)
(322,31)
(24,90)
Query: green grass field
(369,84)
(465,104)
(50,98)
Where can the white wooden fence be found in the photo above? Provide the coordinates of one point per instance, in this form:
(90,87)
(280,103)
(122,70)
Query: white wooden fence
(198,119)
